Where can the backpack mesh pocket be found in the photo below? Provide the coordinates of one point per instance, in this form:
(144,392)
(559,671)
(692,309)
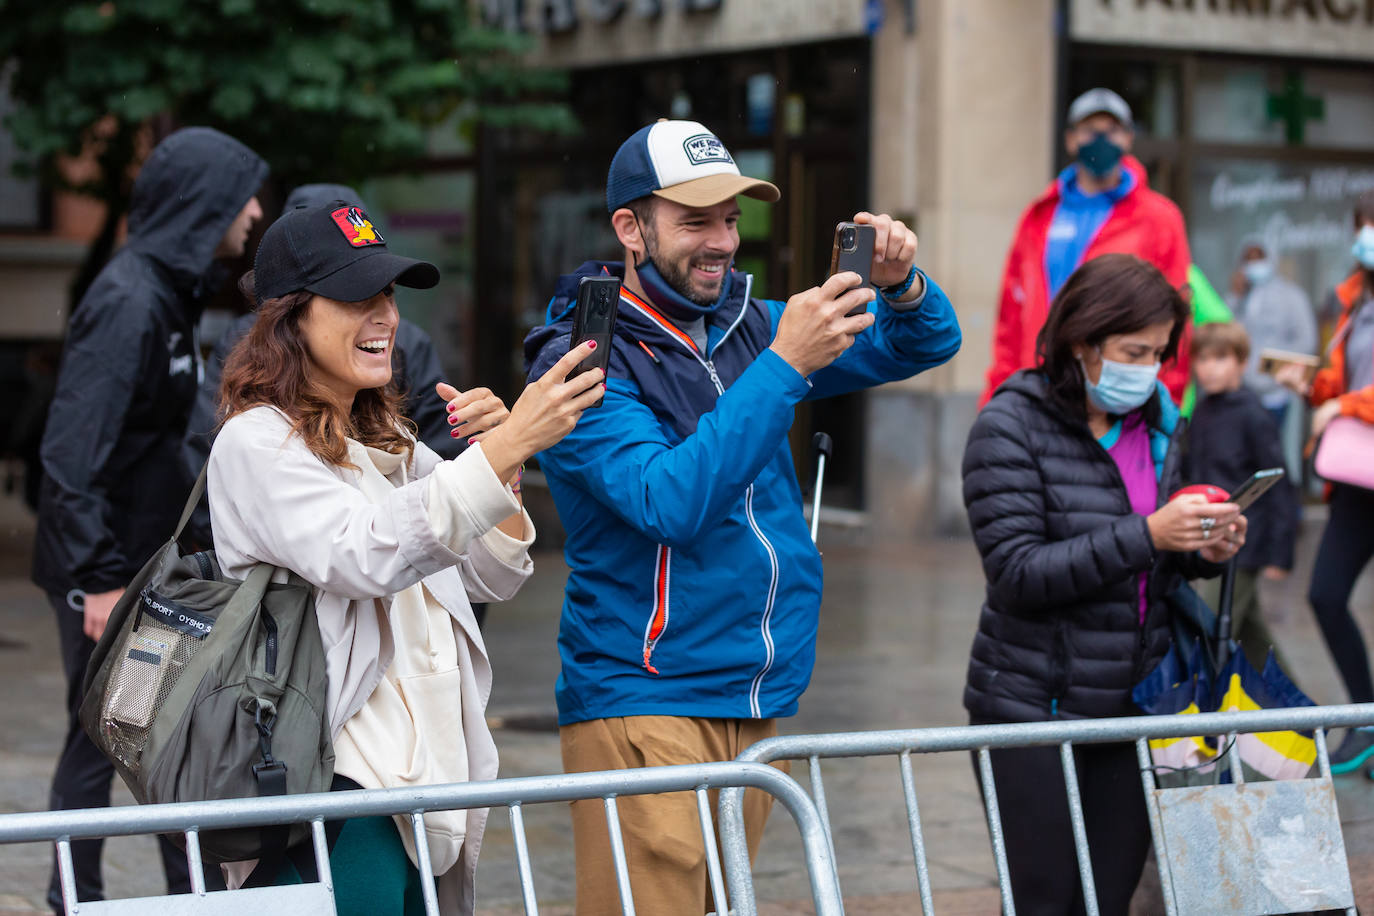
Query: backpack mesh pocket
(152,658)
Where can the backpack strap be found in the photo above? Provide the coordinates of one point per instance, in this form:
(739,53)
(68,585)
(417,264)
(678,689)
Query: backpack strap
(197,491)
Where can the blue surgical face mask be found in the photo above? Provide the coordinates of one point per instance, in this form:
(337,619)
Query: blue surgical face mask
(1122,387)
(1258,273)
(1363,249)
(1100,155)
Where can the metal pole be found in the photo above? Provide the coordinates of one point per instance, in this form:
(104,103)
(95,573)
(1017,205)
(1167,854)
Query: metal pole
(1228,590)
(824,448)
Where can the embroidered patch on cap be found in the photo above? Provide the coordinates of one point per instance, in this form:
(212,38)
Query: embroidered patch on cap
(356,227)
(705,148)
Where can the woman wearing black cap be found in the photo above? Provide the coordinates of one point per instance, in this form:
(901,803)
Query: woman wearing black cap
(316,471)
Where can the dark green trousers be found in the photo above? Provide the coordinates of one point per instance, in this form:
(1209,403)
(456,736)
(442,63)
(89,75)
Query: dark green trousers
(372,873)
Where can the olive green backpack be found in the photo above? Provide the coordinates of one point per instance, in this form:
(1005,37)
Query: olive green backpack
(203,687)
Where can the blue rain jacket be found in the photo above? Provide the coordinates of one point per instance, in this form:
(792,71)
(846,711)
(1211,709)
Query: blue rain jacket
(694,588)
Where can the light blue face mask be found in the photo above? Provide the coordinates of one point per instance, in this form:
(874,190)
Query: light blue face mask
(1122,387)
(1258,272)
(1363,249)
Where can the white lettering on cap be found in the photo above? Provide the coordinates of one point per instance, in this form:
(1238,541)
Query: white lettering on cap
(685,150)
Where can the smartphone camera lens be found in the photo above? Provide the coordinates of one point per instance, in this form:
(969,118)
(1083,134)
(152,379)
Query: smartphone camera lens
(848,238)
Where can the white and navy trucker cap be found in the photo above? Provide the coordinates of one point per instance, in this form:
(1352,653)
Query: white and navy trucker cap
(680,161)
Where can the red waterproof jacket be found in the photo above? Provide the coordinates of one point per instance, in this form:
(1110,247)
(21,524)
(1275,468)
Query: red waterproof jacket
(1143,223)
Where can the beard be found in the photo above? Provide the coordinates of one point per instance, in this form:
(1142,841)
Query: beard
(679,277)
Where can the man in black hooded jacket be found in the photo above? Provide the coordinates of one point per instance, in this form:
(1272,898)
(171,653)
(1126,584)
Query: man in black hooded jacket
(112,480)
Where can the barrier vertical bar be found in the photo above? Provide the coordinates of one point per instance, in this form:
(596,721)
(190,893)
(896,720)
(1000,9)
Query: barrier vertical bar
(194,867)
(423,864)
(66,874)
(1147,779)
(522,860)
(708,838)
(999,844)
(322,866)
(622,869)
(818,795)
(1323,757)
(918,840)
(1237,775)
(1080,831)
(738,871)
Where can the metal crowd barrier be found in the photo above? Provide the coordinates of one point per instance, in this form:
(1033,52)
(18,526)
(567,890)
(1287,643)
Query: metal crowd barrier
(1318,875)
(190,819)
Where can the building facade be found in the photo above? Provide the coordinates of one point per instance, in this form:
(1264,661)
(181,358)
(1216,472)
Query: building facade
(1255,116)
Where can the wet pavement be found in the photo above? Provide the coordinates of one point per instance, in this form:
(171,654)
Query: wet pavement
(895,632)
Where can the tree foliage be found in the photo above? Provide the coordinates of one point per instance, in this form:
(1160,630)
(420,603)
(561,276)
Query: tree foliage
(325,90)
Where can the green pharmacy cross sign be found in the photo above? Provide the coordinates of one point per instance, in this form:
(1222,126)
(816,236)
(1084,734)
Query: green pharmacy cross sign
(1294,108)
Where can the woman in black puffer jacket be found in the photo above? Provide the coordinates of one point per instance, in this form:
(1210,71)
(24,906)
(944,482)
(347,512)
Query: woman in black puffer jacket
(1066,480)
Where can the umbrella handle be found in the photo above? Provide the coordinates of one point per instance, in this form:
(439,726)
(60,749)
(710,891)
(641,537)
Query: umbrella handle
(1228,590)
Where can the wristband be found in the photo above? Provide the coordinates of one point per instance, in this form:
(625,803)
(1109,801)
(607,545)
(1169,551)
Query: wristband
(901,289)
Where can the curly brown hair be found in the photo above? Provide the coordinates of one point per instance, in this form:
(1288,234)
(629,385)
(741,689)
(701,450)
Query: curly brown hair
(268,367)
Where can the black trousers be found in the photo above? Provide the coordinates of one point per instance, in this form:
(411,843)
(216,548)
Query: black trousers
(83,777)
(1346,547)
(1039,834)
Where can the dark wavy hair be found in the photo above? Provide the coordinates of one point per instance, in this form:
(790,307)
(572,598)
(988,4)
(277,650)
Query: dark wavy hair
(268,367)
(1109,295)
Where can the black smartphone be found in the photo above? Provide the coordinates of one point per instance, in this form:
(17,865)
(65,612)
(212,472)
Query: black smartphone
(598,301)
(1258,484)
(853,250)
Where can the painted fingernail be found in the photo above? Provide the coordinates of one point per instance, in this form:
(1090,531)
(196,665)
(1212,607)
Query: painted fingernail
(453,433)
(472,440)
(452,408)
(591,345)
(452,421)
(603,385)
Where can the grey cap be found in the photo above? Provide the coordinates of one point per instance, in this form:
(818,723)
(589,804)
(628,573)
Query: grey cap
(1100,101)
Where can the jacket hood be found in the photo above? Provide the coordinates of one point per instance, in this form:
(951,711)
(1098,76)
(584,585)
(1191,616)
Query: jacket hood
(632,323)
(189,190)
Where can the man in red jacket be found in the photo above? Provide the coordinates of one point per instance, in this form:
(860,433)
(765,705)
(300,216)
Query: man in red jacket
(1098,205)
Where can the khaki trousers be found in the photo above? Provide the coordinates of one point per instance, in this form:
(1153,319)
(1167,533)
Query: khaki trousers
(663,845)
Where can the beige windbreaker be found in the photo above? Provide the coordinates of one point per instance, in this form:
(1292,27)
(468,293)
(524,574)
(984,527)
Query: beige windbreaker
(273,501)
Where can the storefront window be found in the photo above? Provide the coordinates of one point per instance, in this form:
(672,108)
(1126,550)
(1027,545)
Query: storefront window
(21,205)
(1274,105)
(1151,88)
(1301,210)
(430,217)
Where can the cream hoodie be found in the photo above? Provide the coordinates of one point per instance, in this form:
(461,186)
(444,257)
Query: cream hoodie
(273,501)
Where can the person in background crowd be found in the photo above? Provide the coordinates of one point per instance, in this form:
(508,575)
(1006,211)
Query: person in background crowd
(415,363)
(1101,203)
(315,471)
(1345,388)
(1231,437)
(690,615)
(112,484)
(1276,314)
(1067,473)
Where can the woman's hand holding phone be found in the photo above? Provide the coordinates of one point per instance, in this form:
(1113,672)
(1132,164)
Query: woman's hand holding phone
(546,411)
(1189,522)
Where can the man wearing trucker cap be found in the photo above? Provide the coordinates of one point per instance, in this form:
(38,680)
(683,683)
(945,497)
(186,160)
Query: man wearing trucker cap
(690,614)
(1101,203)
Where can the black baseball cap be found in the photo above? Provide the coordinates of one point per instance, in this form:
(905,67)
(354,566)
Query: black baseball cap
(333,251)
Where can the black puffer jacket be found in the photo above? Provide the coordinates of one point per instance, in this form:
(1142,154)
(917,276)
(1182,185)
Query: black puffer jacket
(112,480)
(1060,630)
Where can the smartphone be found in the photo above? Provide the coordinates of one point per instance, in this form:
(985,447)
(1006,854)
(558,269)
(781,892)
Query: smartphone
(1258,484)
(853,250)
(598,301)
(1271,361)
